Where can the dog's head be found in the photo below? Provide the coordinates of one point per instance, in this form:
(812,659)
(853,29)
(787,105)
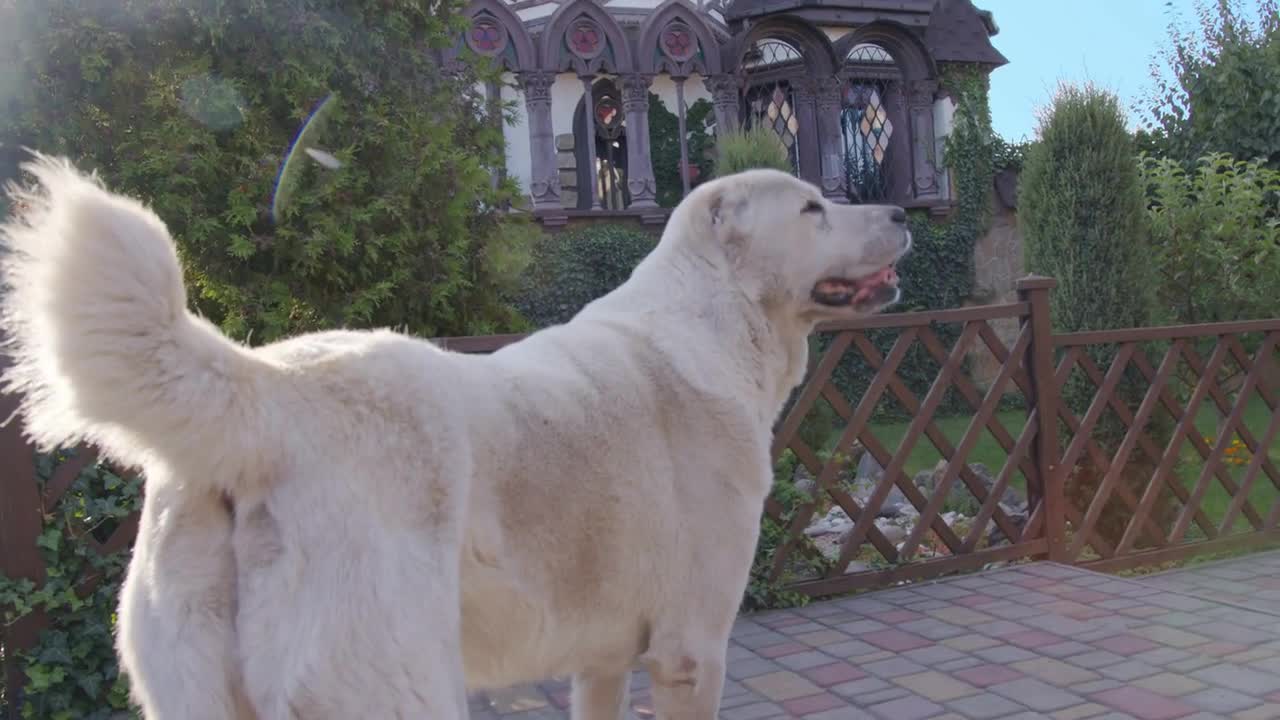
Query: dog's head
(796,251)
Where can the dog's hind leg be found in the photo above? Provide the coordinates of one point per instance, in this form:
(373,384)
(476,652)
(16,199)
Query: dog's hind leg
(600,695)
(176,636)
(688,677)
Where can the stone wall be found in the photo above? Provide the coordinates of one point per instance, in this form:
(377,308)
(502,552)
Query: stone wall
(998,263)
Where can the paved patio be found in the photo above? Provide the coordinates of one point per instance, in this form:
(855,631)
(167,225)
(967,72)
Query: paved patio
(1033,641)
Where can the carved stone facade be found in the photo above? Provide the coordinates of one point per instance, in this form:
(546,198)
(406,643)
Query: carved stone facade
(853,100)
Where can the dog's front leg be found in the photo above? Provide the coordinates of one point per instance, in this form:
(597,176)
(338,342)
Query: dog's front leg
(600,696)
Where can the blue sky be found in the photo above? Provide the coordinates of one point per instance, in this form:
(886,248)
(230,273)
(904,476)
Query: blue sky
(1110,42)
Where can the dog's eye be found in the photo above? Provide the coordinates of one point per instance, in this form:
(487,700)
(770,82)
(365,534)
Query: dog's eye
(813,206)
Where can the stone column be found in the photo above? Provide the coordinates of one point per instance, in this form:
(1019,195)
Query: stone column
(725,98)
(804,95)
(924,170)
(544,183)
(593,172)
(830,140)
(635,103)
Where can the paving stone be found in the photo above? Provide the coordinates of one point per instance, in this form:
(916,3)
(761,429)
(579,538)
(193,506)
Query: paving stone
(1066,649)
(907,708)
(823,638)
(751,668)
(783,685)
(935,686)
(1054,671)
(895,640)
(1095,660)
(1005,654)
(971,642)
(850,649)
(893,667)
(933,629)
(1079,712)
(1222,700)
(984,706)
(883,696)
(1129,670)
(1169,684)
(1239,678)
(1126,644)
(754,711)
(834,674)
(987,675)
(1267,711)
(860,688)
(1037,694)
(1162,656)
(933,655)
(812,704)
(959,664)
(1096,686)
(1143,704)
(1171,636)
(804,660)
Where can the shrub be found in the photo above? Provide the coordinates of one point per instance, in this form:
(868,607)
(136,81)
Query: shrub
(1081,213)
(1216,238)
(757,147)
(572,268)
(194,108)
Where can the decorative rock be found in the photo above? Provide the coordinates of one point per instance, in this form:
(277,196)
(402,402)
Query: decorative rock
(869,469)
(836,521)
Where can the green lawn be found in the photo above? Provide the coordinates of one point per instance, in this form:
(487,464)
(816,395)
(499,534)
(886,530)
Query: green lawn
(1263,495)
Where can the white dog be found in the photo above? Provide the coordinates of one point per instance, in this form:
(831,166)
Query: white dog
(360,524)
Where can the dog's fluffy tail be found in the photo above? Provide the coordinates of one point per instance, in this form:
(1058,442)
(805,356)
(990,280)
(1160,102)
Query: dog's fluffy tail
(103,347)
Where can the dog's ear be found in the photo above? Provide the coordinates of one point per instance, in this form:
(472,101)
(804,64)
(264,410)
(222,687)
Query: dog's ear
(724,207)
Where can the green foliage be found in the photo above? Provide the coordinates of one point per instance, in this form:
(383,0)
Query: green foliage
(763,594)
(757,147)
(1081,212)
(1008,156)
(664,147)
(1218,86)
(572,268)
(194,107)
(1216,238)
(72,673)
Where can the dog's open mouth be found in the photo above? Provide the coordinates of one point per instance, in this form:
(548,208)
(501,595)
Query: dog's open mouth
(878,287)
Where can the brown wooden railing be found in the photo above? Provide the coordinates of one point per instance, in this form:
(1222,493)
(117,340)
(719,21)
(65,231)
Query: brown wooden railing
(1178,486)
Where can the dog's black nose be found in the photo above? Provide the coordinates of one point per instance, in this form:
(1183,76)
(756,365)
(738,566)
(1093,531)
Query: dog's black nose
(898,215)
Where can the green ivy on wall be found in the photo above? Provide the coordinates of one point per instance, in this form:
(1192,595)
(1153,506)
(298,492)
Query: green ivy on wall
(664,147)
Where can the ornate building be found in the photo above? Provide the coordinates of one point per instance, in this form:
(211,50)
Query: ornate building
(851,87)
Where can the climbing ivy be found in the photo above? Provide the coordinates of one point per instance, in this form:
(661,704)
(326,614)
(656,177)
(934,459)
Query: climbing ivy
(72,672)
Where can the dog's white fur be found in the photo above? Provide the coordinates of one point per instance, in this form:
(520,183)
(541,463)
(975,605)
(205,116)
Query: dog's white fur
(348,524)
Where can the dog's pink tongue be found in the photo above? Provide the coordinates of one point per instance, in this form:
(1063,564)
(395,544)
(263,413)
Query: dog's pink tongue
(869,284)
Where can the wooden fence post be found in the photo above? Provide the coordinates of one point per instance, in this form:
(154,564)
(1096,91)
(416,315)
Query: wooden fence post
(20,524)
(1035,291)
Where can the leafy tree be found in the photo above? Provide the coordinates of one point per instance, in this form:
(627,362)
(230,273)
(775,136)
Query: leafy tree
(1215,237)
(1080,207)
(664,147)
(1217,88)
(194,106)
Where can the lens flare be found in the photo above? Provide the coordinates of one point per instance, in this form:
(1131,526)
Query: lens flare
(303,147)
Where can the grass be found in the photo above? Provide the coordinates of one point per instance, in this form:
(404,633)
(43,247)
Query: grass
(1263,494)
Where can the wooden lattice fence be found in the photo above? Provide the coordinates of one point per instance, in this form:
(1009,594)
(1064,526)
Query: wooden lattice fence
(1194,468)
